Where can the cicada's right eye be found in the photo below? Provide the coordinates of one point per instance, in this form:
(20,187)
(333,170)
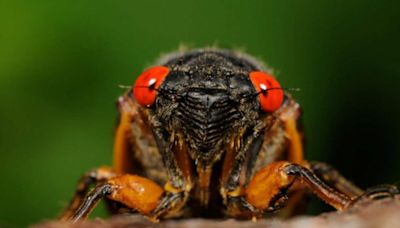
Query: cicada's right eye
(147,84)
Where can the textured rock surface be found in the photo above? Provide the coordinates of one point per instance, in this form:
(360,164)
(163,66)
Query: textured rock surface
(382,213)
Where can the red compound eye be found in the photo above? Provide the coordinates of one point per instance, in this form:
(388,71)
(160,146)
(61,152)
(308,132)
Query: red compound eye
(270,92)
(146,85)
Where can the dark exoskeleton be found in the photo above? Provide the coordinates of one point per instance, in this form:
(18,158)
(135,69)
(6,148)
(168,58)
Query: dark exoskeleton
(203,127)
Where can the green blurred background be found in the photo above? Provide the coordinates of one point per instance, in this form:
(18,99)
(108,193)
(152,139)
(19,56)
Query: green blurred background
(61,63)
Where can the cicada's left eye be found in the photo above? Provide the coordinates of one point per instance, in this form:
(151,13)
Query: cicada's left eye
(147,84)
(270,92)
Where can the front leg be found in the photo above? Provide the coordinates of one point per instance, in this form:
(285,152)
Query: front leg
(267,190)
(271,181)
(137,193)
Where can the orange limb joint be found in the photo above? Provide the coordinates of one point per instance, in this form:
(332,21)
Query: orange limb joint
(136,192)
(269,186)
(266,184)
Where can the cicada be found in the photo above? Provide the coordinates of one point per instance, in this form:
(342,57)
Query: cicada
(209,133)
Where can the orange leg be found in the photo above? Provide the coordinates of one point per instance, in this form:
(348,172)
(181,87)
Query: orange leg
(128,111)
(267,190)
(295,153)
(135,192)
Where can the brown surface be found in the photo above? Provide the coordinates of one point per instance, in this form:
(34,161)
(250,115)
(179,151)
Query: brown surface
(383,213)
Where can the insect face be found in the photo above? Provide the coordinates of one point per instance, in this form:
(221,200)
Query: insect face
(204,104)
